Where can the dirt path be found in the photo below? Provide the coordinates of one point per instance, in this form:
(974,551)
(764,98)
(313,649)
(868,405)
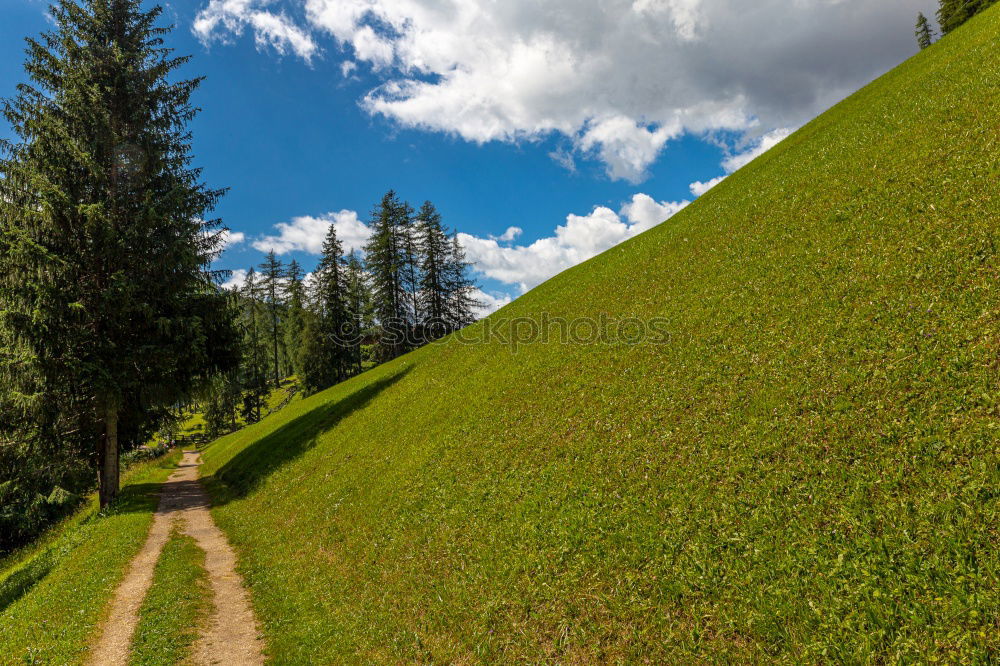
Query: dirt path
(232,635)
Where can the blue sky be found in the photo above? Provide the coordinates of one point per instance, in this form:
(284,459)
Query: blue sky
(512,115)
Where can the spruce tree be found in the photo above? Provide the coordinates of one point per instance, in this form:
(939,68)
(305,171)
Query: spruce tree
(462,304)
(950,14)
(410,275)
(953,13)
(923,32)
(104,293)
(326,358)
(294,322)
(222,403)
(254,358)
(271,273)
(436,250)
(359,309)
(386,258)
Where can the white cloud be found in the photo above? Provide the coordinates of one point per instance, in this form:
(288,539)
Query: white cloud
(736,162)
(698,187)
(764,144)
(511,234)
(236,280)
(582,237)
(644,212)
(231,238)
(489,302)
(306,233)
(618,78)
(626,147)
(564,158)
(269,28)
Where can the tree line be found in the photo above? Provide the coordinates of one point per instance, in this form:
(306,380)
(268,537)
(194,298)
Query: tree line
(110,313)
(950,15)
(411,288)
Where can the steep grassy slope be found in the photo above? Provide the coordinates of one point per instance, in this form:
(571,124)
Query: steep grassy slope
(807,470)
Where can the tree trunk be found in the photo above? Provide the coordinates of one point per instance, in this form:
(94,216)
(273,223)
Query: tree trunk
(108,473)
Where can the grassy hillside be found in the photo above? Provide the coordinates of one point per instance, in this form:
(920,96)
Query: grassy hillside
(807,470)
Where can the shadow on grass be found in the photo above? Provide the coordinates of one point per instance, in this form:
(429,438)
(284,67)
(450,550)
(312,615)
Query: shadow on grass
(25,577)
(238,477)
(134,498)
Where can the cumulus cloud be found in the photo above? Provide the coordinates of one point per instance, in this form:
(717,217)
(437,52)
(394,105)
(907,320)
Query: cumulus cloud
(224,17)
(626,147)
(306,233)
(739,160)
(489,302)
(510,235)
(231,238)
(236,280)
(761,146)
(582,237)
(618,78)
(698,187)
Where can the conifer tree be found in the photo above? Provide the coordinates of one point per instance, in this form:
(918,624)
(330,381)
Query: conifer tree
(953,13)
(923,32)
(222,403)
(386,258)
(294,322)
(271,273)
(410,274)
(462,304)
(436,251)
(254,359)
(950,14)
(326,359)
(104,293)
(359,309)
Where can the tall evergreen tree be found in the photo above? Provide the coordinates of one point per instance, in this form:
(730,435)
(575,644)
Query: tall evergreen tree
(925,37)
(436,251)
(104,293)
(462,304)
(294,322)
(386,258)
(359,309)
(272,273)
(326,358)
(254,357)
(222,403)
(410,275)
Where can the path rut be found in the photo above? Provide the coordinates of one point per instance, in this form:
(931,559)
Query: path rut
(232,635)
